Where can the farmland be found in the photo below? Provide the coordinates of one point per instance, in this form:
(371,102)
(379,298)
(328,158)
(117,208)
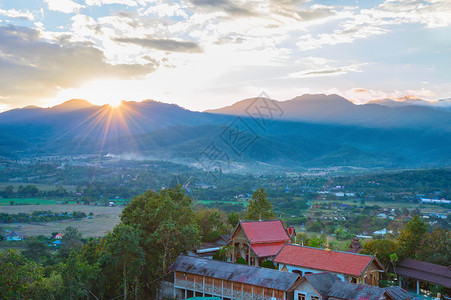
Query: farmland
(105,218)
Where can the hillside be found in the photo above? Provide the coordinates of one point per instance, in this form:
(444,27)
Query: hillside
(311,131)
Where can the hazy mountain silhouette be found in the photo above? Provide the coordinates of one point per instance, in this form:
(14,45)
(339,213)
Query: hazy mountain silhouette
(333,109)
(311,130)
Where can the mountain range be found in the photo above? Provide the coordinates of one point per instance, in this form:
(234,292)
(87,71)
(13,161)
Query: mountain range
(306,131)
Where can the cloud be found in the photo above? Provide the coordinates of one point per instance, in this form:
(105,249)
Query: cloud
(162,44)
(227,6)
(64,6)
(32,67)
(12,13)
(328,71)
(103,2)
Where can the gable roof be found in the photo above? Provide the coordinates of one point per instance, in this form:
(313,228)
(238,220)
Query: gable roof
(353,291)
(264,231)
(263,277)
(325,260)
(13,234)
(425,271)
(321,282)
(267,249)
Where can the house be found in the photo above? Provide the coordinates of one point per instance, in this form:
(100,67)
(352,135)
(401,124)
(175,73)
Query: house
(257,241)
(59,236)
(329,286)
(195,276)
(349,267)
(14,236)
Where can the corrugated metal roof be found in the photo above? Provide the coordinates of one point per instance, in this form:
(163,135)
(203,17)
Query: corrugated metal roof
(257,276)
(397,293)
(352,291)
(322,282)
(425,271)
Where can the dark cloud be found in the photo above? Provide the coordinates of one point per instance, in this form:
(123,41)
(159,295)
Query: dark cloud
(325,72)
(163,44)
(31,67)
(228,6)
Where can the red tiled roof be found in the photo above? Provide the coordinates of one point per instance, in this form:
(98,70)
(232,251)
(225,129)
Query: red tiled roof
(319,259)
(267,249)
(265,231)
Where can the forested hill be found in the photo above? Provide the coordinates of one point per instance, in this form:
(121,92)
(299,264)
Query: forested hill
(308,131)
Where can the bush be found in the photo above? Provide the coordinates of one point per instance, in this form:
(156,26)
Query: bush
(241,261)
(268,264)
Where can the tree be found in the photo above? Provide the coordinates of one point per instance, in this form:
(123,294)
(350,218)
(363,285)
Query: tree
(18,275)
(409,239)
(394,259)
(123,250)
(211,223)
(435,247)
(36,250)
(167,227)
(233,218)
(78,276)
(259,207)
(8,191)
(382,248)
(72,241)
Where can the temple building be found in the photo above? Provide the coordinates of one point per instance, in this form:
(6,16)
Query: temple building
(257,241)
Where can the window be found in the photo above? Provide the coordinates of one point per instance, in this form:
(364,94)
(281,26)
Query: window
(315,298)
(301,297)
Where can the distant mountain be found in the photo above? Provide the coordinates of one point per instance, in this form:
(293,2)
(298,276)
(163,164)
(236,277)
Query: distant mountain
(442,104)
(307,131)
(333,109)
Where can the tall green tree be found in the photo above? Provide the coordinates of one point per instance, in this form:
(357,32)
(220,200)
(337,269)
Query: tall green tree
(410,238)
(78,276)
(435,247)
(259,207)
(18,275)
(123,250)
(167,227)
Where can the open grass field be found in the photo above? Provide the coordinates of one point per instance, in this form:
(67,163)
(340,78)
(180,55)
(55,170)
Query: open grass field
(105,218)
(34,201)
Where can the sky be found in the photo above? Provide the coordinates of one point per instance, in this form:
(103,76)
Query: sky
(204,54)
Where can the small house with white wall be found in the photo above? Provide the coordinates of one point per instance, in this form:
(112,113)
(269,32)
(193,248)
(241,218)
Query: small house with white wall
(349,267)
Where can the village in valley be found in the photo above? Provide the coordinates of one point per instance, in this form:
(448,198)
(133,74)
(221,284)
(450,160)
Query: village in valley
(309,240)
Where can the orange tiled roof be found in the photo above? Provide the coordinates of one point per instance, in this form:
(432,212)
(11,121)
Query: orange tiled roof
(320,259)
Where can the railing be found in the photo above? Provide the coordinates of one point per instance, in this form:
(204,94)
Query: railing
(217,290)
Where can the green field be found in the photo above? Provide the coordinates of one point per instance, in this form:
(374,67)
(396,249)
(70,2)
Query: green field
(34,201)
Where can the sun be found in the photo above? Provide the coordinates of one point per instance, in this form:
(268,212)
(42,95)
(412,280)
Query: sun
(114,103)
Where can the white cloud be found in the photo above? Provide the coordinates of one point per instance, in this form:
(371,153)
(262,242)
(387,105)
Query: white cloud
(65,6)
(13,13)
